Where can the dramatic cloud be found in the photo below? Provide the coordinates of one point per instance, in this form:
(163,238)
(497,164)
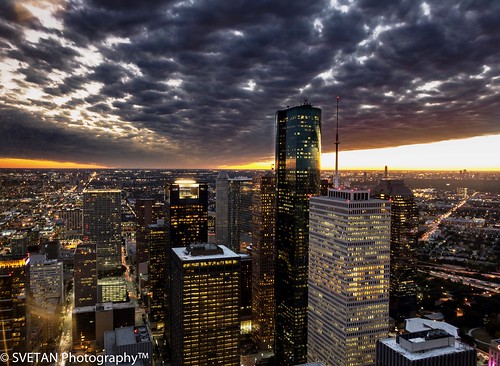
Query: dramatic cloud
(196,83)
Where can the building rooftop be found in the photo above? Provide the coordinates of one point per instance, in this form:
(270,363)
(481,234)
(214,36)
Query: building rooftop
(418,324)
(212,253)
(457,347)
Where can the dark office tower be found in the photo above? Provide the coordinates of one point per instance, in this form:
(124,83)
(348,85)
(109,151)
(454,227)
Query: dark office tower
(102,227)
(298,149)
(263,301)
(205,306)
(14,289)
(325,185)
(144,215)
(246,292)
(157,239)
(187,210)
(221,209)
(234,212)
(85,275)
(404,230)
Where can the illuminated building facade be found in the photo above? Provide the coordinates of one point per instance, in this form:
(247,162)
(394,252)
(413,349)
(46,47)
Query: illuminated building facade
(494,353)
(46,279)
(187,210)
(404,236)
(263,300)
(85,275)
(14,289)
(236,194)
(205,306)
(112,289)
(298,150)
(72,218)
(102,227)
(348,277)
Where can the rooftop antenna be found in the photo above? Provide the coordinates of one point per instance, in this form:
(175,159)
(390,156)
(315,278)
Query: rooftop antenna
(337,148)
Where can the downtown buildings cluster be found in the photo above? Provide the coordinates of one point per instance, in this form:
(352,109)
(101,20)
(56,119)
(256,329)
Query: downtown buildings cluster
(313,272)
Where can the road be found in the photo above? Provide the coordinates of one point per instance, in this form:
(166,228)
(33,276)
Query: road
(66,340)
(435,225)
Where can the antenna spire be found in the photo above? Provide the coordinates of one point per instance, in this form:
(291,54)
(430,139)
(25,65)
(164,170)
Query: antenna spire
(337,148)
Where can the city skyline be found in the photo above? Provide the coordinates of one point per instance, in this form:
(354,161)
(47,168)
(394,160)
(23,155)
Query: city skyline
(130,85)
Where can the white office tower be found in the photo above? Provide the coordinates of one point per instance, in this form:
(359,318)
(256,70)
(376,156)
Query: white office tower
(349,249)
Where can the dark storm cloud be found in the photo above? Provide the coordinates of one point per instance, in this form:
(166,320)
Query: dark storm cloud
(27,135)
(208,75)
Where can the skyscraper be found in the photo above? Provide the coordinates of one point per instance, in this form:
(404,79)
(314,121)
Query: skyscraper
(102,227)
(157,238)
(221,209)
(85,275)
(234,211)
(298,150)
(404,230)
(263,300)
(14,289)
(205,306)
(348,277)
(187,212)
(144,215)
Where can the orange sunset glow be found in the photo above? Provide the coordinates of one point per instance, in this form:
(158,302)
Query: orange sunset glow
(7,163)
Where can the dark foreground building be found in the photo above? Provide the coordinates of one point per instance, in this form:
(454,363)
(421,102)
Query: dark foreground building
(205,299)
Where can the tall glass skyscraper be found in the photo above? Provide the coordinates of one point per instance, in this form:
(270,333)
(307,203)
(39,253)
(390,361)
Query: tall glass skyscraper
(298,150)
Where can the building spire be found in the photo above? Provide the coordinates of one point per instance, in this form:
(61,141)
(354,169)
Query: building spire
(337,148)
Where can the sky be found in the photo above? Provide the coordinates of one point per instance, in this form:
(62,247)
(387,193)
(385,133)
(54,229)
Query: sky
(196,83)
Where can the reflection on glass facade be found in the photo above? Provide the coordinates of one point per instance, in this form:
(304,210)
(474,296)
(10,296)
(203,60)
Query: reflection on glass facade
(205,306)
(404,231)
(348,277)
(298,149)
